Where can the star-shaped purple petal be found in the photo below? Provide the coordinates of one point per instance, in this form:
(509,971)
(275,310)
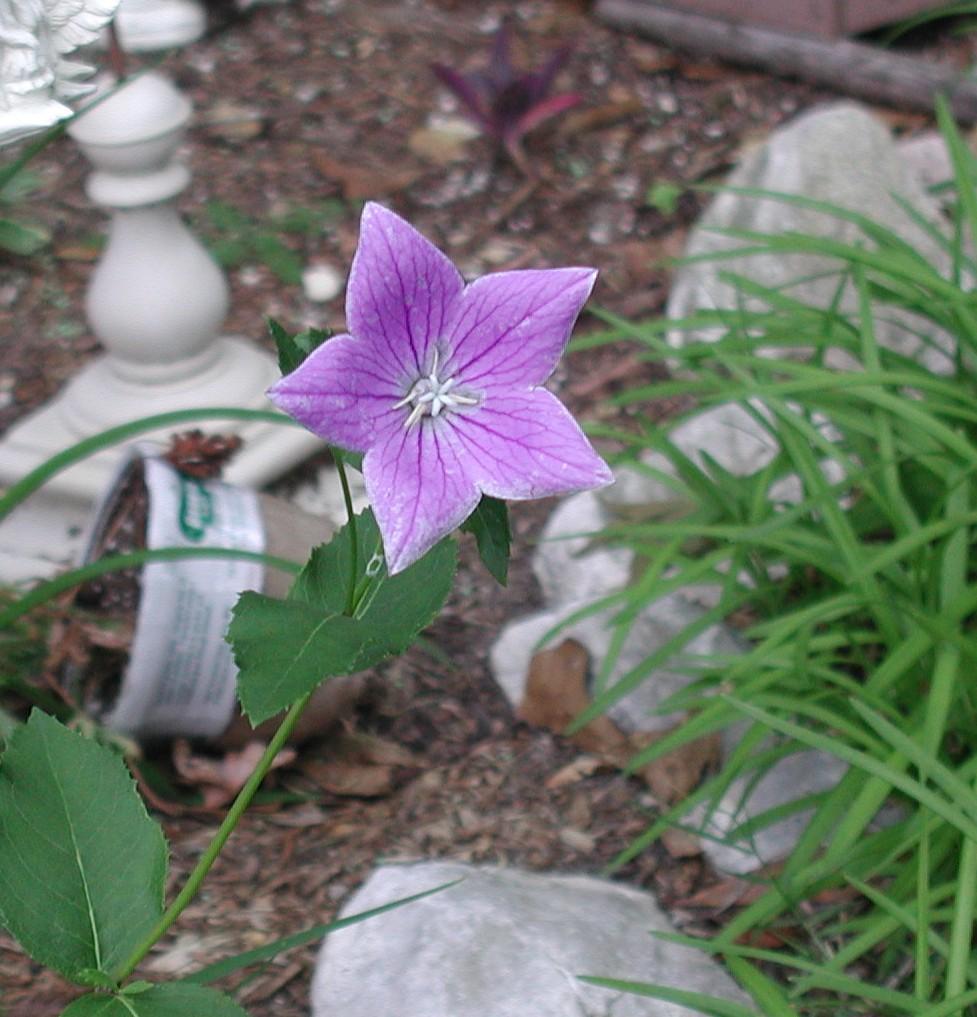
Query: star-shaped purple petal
(439,385)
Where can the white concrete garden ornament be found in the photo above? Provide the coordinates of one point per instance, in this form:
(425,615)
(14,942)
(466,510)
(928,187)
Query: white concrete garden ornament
(35,77)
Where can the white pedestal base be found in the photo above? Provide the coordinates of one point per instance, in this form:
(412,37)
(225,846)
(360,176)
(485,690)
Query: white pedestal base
(45,534)
(146,26)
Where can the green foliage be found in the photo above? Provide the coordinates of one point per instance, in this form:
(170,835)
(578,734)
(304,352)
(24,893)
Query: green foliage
(23,649)
(234,237)
(490,525)
(293,349)
(664,196)
(170,999)
(681,997)
(16,236)
(285,648)
(8,725)
(82,866)
(941,12)
(263,954)
(851,554)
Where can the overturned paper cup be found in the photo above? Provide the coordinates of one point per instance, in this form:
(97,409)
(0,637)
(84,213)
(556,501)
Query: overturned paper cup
(176,675)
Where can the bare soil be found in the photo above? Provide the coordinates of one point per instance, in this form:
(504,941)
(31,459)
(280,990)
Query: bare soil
(326,101)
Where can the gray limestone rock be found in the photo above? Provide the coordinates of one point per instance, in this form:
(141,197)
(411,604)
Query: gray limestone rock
(726,433)
(791,779)
(839,154)
(928,157)
(504,943)
(513,650)
(568,562)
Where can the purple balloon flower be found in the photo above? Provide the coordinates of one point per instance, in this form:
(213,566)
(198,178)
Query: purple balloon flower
(438,383)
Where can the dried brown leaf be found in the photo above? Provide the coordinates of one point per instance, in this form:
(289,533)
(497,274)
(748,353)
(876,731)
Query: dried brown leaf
(355,780)
(681,844)
(438,147)
(596,117)
(556,692)
(360,747)
(581,768)
(729,892)
(220,778)
(671,777)
(358,182)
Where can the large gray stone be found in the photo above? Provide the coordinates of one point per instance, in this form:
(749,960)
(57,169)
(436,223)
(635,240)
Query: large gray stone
(504,943)
(570,562)
(726,433)
(790,779)
(512,652)
(840,154)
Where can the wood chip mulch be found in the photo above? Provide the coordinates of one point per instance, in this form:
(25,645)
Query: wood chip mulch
(325,101)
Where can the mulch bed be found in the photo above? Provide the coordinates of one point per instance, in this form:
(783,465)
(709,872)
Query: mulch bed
(325,101)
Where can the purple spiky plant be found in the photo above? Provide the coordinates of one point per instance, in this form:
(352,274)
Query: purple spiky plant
(507,103)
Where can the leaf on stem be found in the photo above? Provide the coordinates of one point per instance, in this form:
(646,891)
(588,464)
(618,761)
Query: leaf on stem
(490,525)
(286,648)
(82,865)
(293,349)
(170,999)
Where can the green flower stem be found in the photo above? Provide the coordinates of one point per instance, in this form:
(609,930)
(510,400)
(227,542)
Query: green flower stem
(115,563)
(353,540)
(247,793)
(114,435)
(225,830)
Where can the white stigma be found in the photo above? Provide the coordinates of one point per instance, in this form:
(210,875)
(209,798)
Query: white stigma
(428,396)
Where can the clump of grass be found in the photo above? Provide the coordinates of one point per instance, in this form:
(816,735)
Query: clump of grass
(863,602)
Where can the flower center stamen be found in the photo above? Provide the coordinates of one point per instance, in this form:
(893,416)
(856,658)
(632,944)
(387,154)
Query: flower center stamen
(428,396)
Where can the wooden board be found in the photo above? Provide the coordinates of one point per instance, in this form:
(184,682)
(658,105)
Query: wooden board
(851,68)
(824,18)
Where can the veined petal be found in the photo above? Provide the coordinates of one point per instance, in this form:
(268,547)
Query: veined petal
(339,393)
(419,489)
(509,328)
(401,291)
(522,445)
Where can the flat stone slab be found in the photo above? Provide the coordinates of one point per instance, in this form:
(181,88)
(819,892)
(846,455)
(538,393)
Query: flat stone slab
(569,561)
(791,779)
(504,943)
(513,651)
(839,154)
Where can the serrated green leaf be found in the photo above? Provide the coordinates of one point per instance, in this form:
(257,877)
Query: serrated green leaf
(169,999)
(283,649)
(490,525)
(82,865)
(288,355)
(19,238)
(293,349)
(286,648)
(354,459)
